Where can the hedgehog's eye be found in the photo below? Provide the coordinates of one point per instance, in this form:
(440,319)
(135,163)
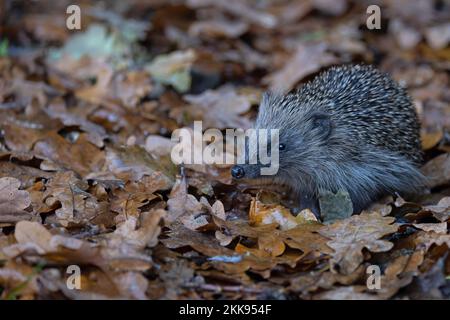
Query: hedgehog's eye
(282,146)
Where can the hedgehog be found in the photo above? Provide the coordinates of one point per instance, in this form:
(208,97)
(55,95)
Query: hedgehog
(351,128)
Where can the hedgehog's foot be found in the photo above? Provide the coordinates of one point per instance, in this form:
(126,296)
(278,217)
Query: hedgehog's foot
(308,202)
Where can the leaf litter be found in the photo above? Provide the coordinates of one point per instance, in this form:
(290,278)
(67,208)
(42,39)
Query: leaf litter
(86,176)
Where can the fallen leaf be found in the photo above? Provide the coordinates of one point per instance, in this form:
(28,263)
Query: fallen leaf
(13,201)
(306,60)
(128,200)
(76,205)
(173,69)
(350,236)
(437,170)
(221,108)
(146,235)
(435,227)
(261,213)
(133,162)
(33,232)
(441,210)
(183,205)
(81,156)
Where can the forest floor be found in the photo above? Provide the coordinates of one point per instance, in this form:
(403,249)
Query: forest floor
(88,188)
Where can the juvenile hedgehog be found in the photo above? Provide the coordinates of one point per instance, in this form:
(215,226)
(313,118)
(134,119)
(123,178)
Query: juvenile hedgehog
(352,128)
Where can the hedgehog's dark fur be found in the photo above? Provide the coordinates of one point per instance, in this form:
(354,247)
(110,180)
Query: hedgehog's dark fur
(351,128)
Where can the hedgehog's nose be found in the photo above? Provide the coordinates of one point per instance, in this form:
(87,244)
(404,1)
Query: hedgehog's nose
(237,172)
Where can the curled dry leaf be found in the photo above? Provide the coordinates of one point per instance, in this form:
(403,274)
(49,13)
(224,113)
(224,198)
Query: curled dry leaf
(350,236)
(261,213)
(306,237)
(140,233)
(182,205)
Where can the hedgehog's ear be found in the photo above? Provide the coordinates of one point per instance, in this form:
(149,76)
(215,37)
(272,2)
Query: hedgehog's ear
(322,121)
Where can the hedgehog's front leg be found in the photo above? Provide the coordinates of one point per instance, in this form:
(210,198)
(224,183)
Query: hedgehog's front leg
(308,202)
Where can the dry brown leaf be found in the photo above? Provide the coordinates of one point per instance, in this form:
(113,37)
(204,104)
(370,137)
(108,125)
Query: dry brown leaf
(128,200)
(425,239)
(271,244)
(81,156)
(307,238)
(33,232)
(437,170)
(182,205)
(133,162)
(350,236)
(435,227)
(441,210)
(306,60)
(399,273)
(26,174)
(77,205)
(13,201)
(221,108)
(261,213)
(139,233)
(431,139)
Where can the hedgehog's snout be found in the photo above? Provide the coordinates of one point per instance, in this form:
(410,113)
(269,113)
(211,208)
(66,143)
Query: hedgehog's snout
(237,172)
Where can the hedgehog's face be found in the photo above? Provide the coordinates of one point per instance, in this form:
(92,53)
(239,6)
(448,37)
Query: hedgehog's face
(303,136)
